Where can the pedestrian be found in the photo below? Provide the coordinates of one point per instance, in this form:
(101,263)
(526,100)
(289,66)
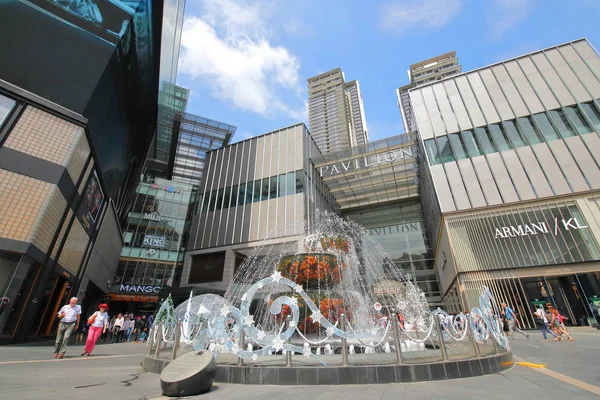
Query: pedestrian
(150,322)
(542,321)
(128,326)
(140,324)
(117,335)
(69,316)
(143,337)
(557,322)
(98,325)
(513,322)
(80,337)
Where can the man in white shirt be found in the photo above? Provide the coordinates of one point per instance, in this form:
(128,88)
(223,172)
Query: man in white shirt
(69,316)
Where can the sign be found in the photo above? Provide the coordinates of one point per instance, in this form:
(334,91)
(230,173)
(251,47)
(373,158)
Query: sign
(165,188)
(395,229)
(153,216)
(388,287)
(377,306)
(91,204)
(134,297)
(538,228)
(140,288)
(155,241)
(366,162)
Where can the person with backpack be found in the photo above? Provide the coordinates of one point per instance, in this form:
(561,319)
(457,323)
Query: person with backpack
(542,321)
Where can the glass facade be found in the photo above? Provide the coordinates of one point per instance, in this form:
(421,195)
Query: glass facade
(401,230)
(578,119)
(154,234)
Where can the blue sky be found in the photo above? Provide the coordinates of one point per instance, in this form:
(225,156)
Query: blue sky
(246,62)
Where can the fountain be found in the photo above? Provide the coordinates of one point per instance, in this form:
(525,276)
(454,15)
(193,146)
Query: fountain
(338,308)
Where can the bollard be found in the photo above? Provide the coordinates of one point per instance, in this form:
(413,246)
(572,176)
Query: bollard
(344,341)
(150,340)
(288,354)
(242,346)
(471,334)
(176,340)
(394,321)
(158,340)
(442,345)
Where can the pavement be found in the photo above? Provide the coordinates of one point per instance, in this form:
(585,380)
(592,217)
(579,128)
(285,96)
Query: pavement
(571,372)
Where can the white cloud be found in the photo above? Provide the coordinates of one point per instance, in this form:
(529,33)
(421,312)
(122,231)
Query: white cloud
(228,50)
(421,15)
(505,14)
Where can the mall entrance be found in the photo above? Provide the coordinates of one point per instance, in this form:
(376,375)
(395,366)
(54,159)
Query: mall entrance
(576,296)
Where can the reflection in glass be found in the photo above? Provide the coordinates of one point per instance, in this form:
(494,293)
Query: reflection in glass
(483,137)
(578,120)
(531,131)
(458,146)
(513,133)
(545,126)
(593,114)
(500,138)
(562,124)
(470,143)
(432,152)
(445,149)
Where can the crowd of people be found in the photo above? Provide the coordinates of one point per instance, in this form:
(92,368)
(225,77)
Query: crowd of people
(100,325)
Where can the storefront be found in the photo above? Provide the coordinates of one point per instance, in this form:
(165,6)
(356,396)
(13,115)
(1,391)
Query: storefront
(530,254)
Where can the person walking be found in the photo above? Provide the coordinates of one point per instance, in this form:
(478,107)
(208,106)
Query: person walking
(558,324)
(542,321)
(98,325)
(117,335)
(128,326)
(140,324)
(69,316)
(513,322)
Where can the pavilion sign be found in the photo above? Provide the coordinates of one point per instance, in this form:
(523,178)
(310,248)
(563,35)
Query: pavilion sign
(368,161)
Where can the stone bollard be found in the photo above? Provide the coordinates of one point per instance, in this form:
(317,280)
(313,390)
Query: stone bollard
(394,322)
(158,340)
(471,334)
(438,328)
(344,341)
(176,340)
(150,340)
(240,360)
(288,354)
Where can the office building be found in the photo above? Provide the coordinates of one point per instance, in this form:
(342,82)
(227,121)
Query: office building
(336,112)
(511,180)
(431,70)
(79,97)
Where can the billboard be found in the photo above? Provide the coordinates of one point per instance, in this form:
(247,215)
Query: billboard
(91,203)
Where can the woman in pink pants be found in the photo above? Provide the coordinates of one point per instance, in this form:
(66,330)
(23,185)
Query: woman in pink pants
(99,326)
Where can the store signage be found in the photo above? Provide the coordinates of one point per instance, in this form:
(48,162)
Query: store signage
(390,230)
(134,297)
(165,188)
(140,289)
(155,241)
(538,228)
(153,216)
(366,162)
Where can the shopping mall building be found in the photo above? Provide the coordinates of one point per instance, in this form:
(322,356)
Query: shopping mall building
(499,187)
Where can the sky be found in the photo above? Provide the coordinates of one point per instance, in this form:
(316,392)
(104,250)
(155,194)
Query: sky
(246,62)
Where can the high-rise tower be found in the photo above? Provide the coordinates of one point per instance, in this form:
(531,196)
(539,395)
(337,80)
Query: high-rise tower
(336,112)
(430,70)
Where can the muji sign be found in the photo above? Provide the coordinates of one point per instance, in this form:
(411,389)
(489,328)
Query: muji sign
(565,224)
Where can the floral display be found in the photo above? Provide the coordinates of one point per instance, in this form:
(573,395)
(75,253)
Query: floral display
(326,242)
(312,270)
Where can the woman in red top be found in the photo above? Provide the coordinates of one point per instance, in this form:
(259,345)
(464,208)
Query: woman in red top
(558,324)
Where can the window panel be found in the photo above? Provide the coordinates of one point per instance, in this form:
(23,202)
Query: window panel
(241,195)
(257,187)
(592,112)
(445,149)
(470,143)
(249,192)
(458,146)
(578,120)
(562,123)
(281,184)
(227,197)
(291,182)
(500,138)
(432,152)
(513,134)
(273,187)
(300,181)
(545,126)
(483,137)
(530,131)
(264,191)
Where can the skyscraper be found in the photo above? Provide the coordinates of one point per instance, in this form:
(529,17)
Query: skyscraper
(336,112)
(430,70)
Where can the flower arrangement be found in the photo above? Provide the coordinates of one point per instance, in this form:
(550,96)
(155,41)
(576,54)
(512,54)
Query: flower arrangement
(326,242)
(331,309)
(312,270)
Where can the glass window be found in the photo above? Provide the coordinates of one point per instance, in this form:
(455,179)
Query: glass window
(249,191)
(227,197)
(578,120)
(273,187)
(445,149)
(530,131)
(483,138)
(219,199)
(545,126)
(281,186)
(500,138)
(264,191)
(458,146)
(513,134)
(6,105)
(256,195)
(300,181)
(213,200)
(562,123)
(291,182)
(432,152)
(593,114)
(470,143)
(242,193)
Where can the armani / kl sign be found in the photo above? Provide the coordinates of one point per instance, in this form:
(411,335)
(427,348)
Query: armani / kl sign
(366,162)
(536,228)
